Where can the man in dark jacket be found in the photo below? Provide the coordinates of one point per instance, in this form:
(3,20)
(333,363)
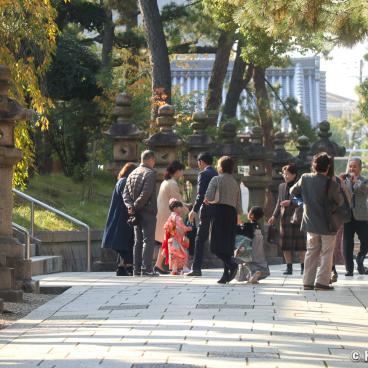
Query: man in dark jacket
(205,161)
(140,199)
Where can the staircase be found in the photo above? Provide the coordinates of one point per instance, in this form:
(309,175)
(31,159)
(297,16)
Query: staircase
(40,264)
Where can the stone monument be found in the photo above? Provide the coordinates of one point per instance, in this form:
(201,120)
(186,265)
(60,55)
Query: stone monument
(124,133)
(15,270)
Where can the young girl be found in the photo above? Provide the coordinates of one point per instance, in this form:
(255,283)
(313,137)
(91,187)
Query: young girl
(175,243)
(256,269)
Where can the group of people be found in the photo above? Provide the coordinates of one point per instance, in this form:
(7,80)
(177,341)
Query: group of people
(319,216)
(138,219)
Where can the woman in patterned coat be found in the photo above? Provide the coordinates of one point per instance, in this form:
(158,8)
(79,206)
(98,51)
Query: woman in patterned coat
(292,239)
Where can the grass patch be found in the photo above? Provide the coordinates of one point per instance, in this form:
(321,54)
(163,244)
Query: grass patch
(87,201)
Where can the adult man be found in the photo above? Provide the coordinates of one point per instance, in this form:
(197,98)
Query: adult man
(140,198)
(207,172)
(318,190)
(358,188)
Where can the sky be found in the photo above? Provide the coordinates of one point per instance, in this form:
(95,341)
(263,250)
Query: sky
(342,69)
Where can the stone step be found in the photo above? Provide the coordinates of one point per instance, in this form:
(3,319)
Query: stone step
(42,265)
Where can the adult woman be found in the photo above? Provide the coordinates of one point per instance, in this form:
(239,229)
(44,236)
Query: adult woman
(118,235)
(292,239)
(223,194)
(169,189)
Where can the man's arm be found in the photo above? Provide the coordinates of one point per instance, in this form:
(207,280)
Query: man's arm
(128,200)
(296,189)
(148,189)
(201,191)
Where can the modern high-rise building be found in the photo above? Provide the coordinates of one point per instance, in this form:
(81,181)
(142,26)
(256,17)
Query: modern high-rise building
(302,80)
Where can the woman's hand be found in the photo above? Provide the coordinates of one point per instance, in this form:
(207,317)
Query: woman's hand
(206,201)
(285,203)
(272,220)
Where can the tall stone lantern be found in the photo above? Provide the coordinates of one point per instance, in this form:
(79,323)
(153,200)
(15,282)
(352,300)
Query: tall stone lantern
(124,133)
(303,159)
(196,143)
(164,143)
(231,146)
(15,270)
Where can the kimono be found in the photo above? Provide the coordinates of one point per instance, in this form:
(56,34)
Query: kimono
(175,243)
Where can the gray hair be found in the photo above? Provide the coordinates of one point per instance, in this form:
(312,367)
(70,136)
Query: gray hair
(358,160)
(147,155)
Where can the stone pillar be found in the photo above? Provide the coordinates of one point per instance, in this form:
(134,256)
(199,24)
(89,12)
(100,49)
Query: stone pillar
(15,271)
(124,133)
(164,143)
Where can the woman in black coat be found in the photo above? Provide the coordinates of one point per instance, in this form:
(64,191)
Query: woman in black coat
(118,235)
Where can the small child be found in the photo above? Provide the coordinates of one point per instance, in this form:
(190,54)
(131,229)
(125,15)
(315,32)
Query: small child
(257,268)
(176,244)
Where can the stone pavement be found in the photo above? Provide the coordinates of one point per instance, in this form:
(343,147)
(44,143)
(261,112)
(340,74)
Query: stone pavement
(105,321)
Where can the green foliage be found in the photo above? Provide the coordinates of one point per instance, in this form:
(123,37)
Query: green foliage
(69,196)
(73,71)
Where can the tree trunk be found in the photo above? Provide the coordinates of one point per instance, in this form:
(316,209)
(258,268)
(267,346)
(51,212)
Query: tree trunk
(159,55)
(219,69)
(108,39)
(263,105)
(240,78)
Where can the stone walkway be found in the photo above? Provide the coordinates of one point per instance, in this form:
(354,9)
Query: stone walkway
(104,321)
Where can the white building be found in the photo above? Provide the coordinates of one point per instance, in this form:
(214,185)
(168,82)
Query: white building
(341,107)
(303,81)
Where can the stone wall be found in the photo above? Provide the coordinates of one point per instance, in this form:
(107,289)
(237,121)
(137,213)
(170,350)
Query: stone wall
(71,245)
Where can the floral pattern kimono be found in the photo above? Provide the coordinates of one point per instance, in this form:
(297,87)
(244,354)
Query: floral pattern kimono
(176,244)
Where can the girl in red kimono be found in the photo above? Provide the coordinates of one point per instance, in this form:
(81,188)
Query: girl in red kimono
(176,244)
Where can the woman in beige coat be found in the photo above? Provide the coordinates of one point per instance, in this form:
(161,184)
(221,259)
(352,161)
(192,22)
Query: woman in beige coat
(169,189)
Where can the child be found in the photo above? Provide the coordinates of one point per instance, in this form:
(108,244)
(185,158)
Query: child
(255,268)
(176,244)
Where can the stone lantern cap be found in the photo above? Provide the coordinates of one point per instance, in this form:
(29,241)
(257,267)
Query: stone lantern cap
(199,139)
(165,137)
(124,128)
(280,155)
(324,144)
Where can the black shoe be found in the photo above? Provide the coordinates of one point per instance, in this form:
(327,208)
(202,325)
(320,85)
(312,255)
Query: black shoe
(195,273)
(361,269)
(137,272)
(160,271)
(224,279)
(289,269)
(146,273)
(122,271)
(349,273)
(233,271)
(129,270)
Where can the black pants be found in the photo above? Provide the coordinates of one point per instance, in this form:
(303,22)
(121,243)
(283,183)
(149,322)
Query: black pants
(350,229)
(200,240)
(228,261)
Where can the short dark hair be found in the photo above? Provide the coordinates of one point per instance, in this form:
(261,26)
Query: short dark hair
(321,162)
(227,164)
(175,204)
(147,155)
(126,170)
(206,157)
(257,212)
(291,168)
(172,169)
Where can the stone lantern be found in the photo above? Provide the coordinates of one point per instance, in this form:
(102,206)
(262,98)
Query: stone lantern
(164,143)
(196,143)
(15,270)
(230,145)
(124,133)
(303,159)
(280,158)
(324,144)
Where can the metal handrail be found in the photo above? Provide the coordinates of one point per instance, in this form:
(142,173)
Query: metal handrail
(28,238)
(34,201)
